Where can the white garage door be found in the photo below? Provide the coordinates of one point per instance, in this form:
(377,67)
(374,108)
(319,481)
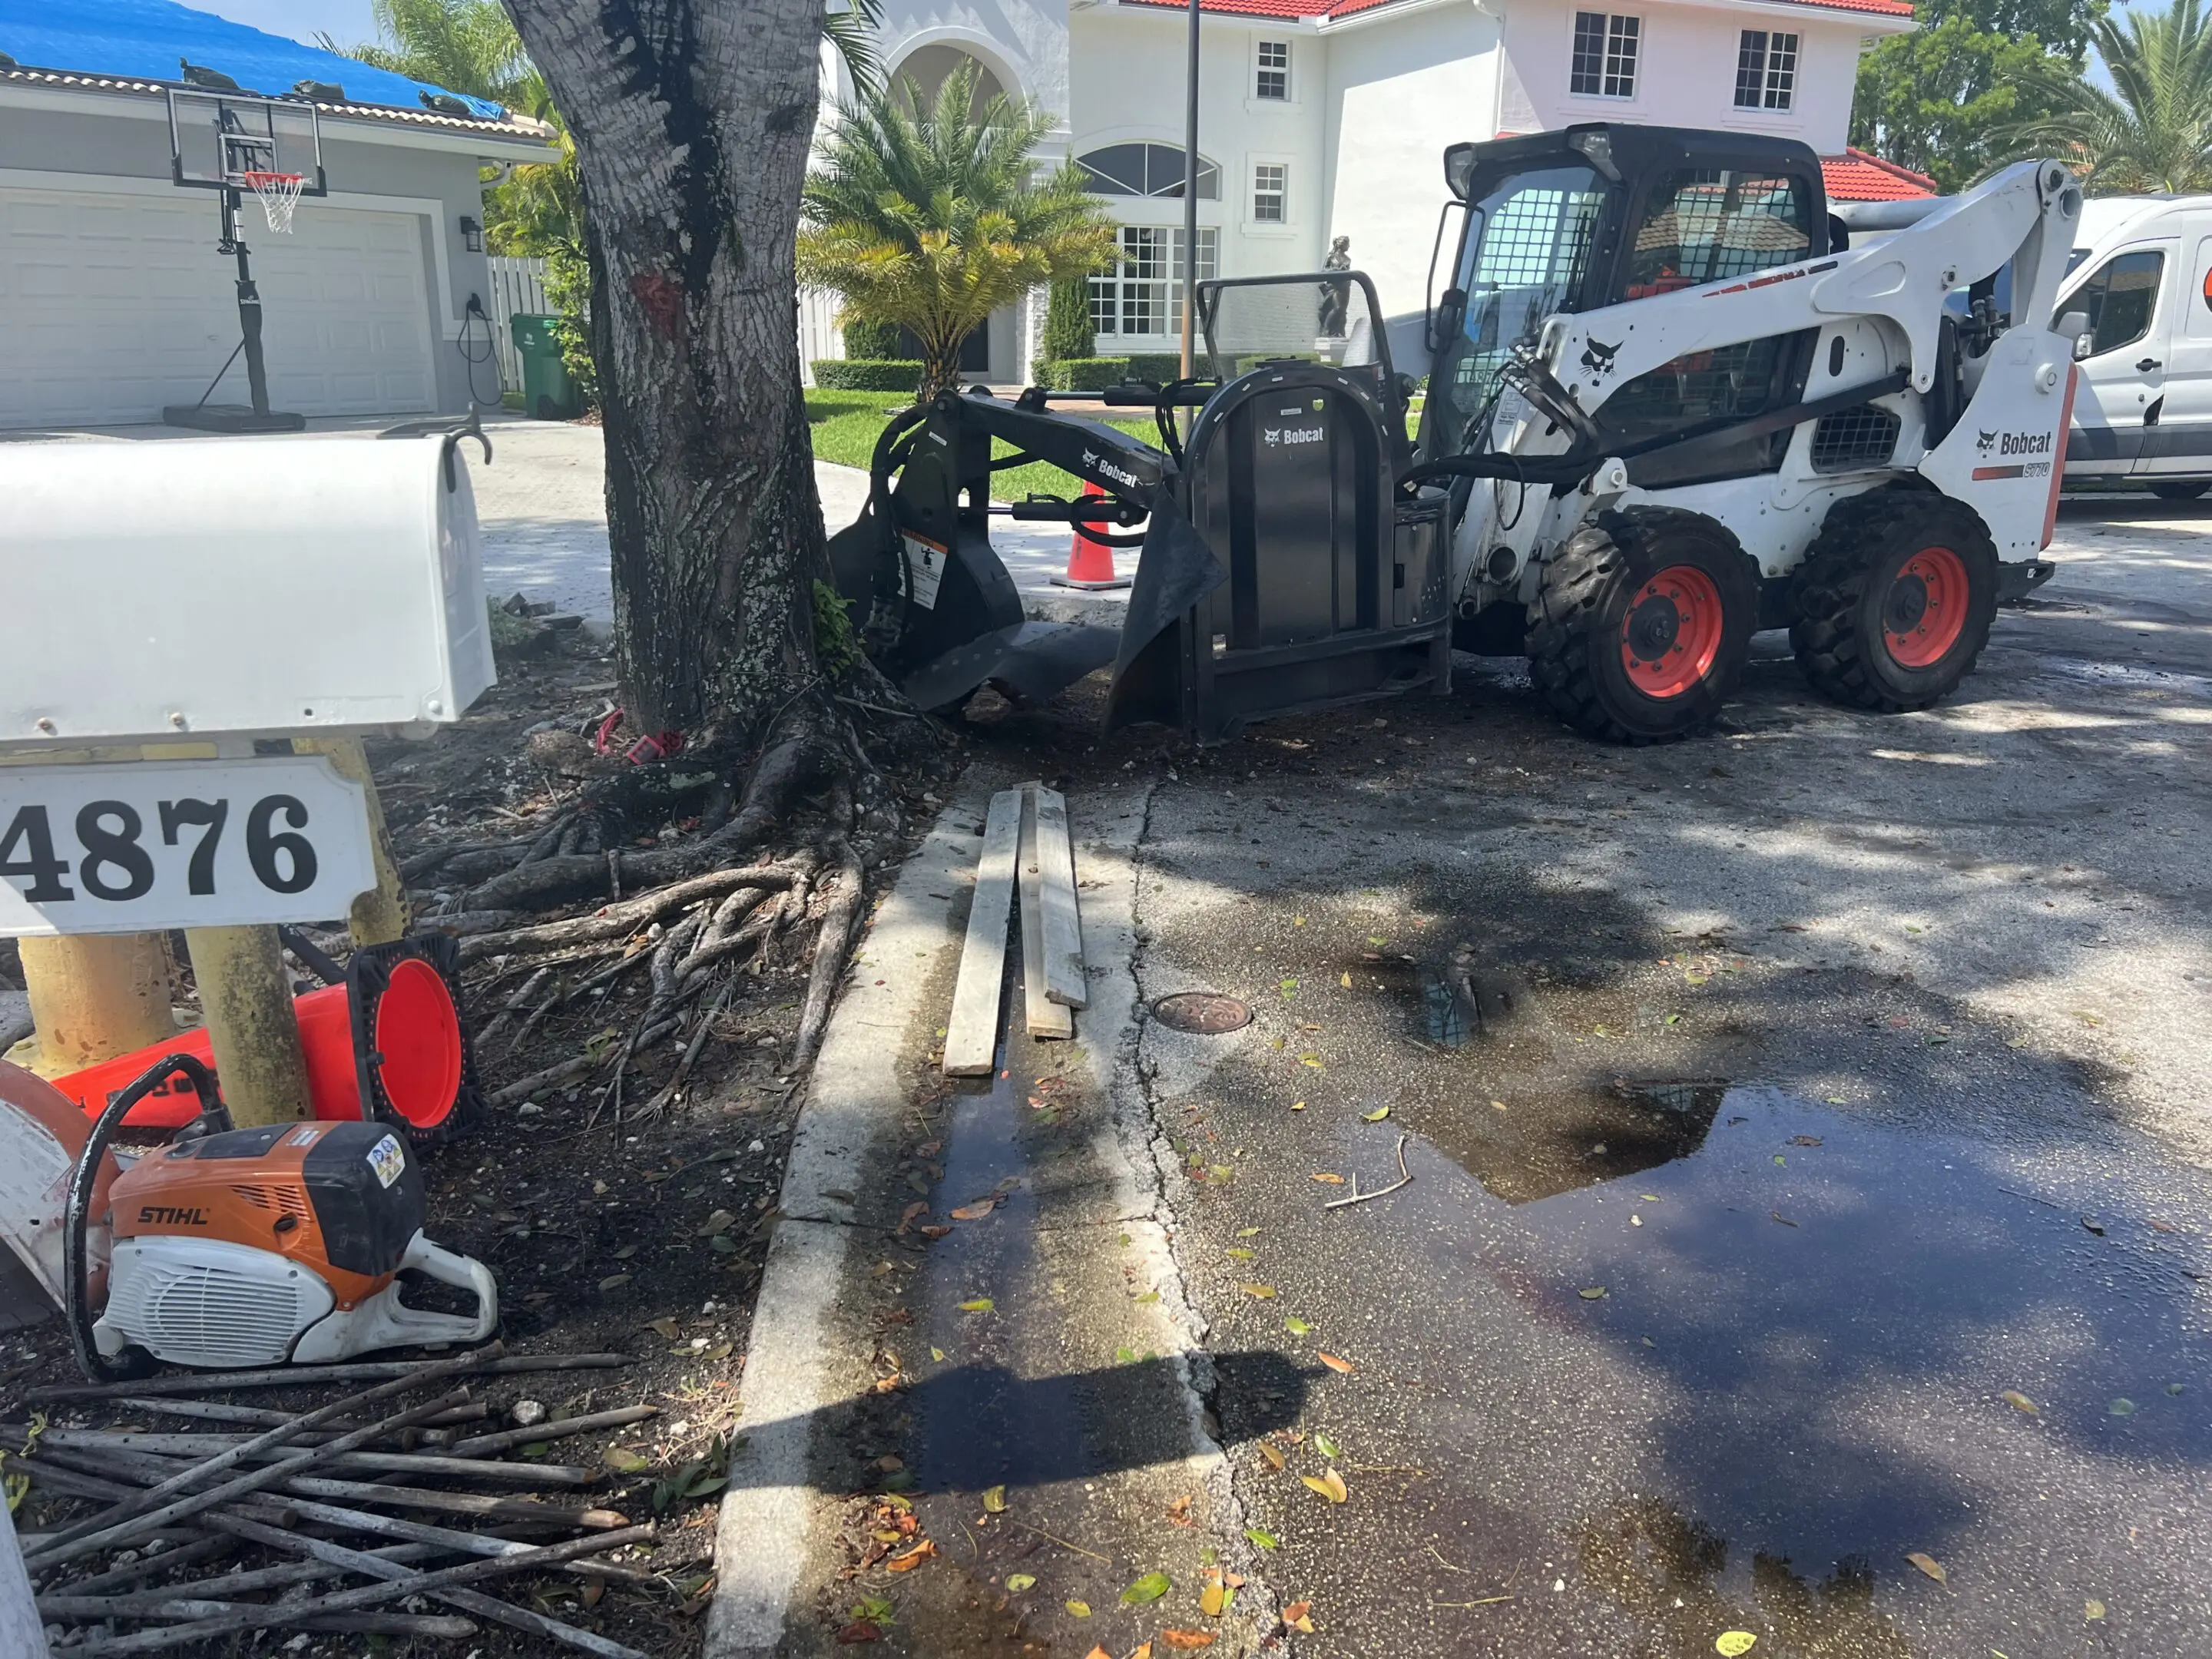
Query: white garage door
(114,306)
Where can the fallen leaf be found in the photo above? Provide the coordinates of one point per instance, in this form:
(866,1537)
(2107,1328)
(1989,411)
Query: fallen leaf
(1332,1180)
(980,1305)
(1236,1253)
(975,1212)
(717,1223)
(1095,1652)
(623,1461)
(719,1350)
(1185,1640)
(1345,980)
(2121,1409)
(614,1281)
(1082,1610)
(1295,1616)
(1143,1650)
(2093,1608)
(1263,1540)
(1780,1217)
(1019,1582)
(911,1214)
(1296,1326)
(1261,1292)
(1150,1588)
(1214,1599)
(1329,1485)
(937,1354)
(1178,1513)
(1326,1446)
(665,1326)
(1275,1459)
(1929,1565)
(994,1500)
(860,1631)
(1735,1642)
(2019,1401)
(622,1254)
(1375,1117)
(1592,1293)
(932,1231)
(1648,1198)
(912,1559)
(1313,1061)
(1804,1140)
(1288,987)
(1248,1232)
(1335,1364)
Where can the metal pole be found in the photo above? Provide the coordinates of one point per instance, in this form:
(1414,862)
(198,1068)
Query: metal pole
(1190,198)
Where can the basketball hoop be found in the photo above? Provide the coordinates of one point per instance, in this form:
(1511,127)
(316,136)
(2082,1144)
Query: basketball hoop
(279,193)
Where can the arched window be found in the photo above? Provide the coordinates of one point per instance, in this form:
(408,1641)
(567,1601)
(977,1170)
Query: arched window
(1145,170)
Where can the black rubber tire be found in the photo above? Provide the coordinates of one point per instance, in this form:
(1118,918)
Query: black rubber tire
(1576,621)
(1838,596)
(2178,491)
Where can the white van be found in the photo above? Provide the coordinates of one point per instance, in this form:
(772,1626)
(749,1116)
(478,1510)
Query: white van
(2141,275)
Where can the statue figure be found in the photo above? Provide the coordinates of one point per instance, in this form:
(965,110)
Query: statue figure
(1336,297)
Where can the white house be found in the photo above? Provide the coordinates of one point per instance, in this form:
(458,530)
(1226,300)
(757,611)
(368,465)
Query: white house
(114,299)
(1327,117)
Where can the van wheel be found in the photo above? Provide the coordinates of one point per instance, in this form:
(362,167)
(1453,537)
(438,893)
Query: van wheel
(2180,492)
(1893,602)
(1642,624)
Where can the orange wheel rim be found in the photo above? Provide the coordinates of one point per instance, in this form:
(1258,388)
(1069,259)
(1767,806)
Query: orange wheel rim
(1672,632)
(1924,612)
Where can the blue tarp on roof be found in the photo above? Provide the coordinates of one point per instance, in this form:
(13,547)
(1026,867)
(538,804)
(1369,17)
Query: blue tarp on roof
(144,39)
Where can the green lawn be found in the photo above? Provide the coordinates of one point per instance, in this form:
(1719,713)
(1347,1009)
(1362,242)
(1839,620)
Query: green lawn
(846,425)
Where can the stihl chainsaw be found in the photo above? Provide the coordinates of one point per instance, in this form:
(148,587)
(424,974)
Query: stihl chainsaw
(226,1247)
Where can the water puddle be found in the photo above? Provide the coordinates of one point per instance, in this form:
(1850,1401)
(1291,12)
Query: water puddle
(1786,1346)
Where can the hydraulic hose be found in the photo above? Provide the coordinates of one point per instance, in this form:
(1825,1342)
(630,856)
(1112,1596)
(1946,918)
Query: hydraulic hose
(1556,470)
(76,1270)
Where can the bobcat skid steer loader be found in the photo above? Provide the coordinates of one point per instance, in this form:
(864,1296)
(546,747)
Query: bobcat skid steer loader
(1667,406)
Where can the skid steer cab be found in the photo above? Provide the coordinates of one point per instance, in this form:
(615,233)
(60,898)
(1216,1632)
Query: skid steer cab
(1668,405)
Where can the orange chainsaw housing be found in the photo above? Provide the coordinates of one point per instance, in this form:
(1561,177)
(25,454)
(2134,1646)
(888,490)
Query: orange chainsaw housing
(342,1200)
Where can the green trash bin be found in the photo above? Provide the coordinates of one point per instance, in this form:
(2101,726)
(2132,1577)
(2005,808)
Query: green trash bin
(548,393)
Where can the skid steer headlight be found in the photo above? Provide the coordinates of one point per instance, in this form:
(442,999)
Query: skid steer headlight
(1597,148)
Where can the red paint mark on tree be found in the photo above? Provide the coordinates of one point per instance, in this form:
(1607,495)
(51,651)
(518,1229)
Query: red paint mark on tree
(662,296)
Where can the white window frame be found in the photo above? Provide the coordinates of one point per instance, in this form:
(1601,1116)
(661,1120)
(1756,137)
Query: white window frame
(1253,221)
(1116,292)
(1262,68)
(1620,26)
(1774,91)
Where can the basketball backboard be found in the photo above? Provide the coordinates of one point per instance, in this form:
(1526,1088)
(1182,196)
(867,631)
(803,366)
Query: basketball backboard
(217,139)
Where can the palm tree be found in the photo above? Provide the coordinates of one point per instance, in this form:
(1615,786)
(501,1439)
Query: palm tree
(932,218)
(2153,132)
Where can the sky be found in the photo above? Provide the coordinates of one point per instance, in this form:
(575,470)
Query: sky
(347,21)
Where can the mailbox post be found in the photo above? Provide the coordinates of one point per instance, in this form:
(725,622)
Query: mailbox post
(197,638)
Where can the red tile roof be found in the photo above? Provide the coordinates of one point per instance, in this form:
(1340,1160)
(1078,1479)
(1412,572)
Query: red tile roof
(1325,10)
(1856,176)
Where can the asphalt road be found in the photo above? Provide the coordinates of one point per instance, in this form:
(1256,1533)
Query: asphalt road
(1808,1142)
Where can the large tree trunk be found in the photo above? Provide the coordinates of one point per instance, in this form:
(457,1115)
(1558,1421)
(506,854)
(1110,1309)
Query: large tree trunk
(693,120)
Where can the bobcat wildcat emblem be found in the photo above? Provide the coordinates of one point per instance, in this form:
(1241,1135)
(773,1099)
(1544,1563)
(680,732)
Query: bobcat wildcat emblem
(1597,356)
(1986,442)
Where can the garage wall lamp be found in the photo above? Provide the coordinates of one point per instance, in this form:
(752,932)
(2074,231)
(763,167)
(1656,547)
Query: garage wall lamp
(471,234)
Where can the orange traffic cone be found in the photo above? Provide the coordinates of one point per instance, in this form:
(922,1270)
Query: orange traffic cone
(1090,560)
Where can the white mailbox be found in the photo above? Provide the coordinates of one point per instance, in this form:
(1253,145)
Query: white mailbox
(236,587)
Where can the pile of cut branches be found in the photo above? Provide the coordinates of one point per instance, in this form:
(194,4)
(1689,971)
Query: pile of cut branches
(152,1541)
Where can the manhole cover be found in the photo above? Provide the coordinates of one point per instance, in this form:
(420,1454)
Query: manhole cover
(1207,1013)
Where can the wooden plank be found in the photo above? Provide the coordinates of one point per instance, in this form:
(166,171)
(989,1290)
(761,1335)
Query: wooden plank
(971,1035)
(1064,980)
(1046,1017)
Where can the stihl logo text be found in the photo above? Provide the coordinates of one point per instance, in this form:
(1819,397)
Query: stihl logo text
(163,1215)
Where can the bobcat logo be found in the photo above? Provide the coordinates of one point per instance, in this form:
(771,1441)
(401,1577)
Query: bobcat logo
(1597,356)
(1986,442)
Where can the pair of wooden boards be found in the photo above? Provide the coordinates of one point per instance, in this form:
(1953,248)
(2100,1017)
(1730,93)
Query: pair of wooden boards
(1025,848)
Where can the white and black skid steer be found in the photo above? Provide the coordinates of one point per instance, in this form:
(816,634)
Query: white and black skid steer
(1667,405)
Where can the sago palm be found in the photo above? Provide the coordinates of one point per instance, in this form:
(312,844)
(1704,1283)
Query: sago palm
(2153,132)
(932,218)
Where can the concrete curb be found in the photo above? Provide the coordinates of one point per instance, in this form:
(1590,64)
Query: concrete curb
(763,1533)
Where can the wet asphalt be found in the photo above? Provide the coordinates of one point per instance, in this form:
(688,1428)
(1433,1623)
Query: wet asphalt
(1807,1226)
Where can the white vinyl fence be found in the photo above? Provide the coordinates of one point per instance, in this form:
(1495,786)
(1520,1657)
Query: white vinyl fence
(517,290)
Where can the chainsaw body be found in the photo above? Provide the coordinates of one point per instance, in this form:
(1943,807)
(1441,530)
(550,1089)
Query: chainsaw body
(256,1247)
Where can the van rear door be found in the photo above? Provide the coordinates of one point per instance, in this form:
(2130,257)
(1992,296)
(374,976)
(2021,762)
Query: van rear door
(2124,298)
(2177,439)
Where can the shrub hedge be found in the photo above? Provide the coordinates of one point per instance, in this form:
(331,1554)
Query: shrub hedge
(867,374)
(1083,374)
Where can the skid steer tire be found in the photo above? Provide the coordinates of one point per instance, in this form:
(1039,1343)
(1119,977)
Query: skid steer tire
(1893,603)
(1642,624)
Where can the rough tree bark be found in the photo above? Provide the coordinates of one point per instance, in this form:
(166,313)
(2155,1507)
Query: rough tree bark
(693,120)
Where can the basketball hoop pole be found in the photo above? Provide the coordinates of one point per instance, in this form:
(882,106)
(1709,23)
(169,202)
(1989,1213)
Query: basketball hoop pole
(249,308)
(228,417)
